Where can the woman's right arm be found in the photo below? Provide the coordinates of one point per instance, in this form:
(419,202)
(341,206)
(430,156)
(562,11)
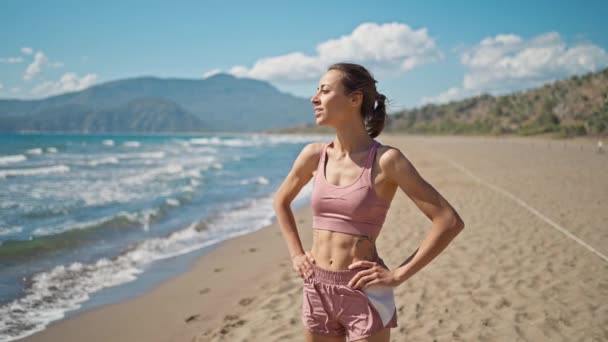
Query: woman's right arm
(299,175)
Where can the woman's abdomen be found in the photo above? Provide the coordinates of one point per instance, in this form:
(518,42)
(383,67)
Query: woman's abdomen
(336,251)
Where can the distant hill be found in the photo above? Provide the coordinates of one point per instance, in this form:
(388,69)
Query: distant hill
(147,104)
(569,107)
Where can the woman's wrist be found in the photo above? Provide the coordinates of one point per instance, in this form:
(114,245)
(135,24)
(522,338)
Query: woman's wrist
(401,274)
(293,256)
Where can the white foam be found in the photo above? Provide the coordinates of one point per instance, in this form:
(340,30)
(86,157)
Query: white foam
(51,149)
(101,161)
(108,142)
(172,202)
(34,171)
(256,180)
(10,230)
(34,151)
(223,142)
(290,138)
(152,174)
(141,155)
(65,287)
(12,159)
(132,143)
(150,155)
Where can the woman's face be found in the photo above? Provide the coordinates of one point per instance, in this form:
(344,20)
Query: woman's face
(330,103)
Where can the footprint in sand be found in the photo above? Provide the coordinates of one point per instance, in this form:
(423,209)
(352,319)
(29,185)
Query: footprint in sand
(219,269)
(205,290)
(226,328)
(503,302)
(191,318)
(245,301)
(230,317)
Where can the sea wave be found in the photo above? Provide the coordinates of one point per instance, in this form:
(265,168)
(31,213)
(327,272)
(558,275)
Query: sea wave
(256,180)
(10,230)
(64,288)
(34,151)
(102,161)
(34,171)
(132,143)
(141,217)
(12,159)
(223,142)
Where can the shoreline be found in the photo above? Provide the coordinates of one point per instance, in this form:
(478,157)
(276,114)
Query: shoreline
(182,289)
(498,280)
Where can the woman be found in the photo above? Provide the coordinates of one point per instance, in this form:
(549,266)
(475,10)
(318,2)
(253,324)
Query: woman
(348,290)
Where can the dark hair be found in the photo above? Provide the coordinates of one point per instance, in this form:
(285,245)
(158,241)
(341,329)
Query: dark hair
(356,77)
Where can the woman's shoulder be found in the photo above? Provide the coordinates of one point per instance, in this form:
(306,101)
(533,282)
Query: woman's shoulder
(313,149)
(389,156)
(310,155)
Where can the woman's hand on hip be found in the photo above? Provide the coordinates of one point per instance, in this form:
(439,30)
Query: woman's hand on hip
(302,263)
(374,275)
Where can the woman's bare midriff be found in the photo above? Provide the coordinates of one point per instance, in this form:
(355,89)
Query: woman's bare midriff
(336,251)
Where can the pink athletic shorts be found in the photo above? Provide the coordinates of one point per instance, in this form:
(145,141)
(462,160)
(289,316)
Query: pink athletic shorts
(331,308)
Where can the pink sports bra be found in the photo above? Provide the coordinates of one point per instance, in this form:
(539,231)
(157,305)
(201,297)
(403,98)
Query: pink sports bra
(353,209)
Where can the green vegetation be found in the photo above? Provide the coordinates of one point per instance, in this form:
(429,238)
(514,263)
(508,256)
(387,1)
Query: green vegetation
(565,108)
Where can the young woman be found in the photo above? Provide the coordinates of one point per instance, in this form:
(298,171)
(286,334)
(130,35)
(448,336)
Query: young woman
(347,288)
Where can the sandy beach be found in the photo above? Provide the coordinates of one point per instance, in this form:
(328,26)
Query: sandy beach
(530,264)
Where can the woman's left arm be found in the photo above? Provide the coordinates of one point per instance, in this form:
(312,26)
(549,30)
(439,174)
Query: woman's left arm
(446,223)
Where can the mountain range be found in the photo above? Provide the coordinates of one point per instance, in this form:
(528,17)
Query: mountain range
(147,104)
(569,107)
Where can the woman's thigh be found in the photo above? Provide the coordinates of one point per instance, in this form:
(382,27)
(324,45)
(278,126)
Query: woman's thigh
(310,337)
(383,335)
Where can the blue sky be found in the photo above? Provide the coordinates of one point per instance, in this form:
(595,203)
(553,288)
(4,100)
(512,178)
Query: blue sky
(420,52)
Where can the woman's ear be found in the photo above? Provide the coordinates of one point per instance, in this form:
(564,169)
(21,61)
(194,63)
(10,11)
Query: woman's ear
(356,98)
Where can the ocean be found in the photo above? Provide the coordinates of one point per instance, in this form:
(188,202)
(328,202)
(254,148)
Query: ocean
(88,220)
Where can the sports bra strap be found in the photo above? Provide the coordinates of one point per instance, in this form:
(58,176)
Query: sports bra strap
(370,155)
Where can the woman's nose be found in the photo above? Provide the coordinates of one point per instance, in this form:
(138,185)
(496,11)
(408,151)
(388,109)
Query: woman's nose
(314,99)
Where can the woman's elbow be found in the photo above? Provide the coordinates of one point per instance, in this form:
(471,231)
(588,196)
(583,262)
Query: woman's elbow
(279,202)
(452,221)
(456,222)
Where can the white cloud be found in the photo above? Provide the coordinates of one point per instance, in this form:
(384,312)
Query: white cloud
(15,90)
(36,66)
(392,46)
(68,82)
(11,60)
(290,67)
(27,50)
(211,73)
(40,60)
(1,85)
(507,63)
